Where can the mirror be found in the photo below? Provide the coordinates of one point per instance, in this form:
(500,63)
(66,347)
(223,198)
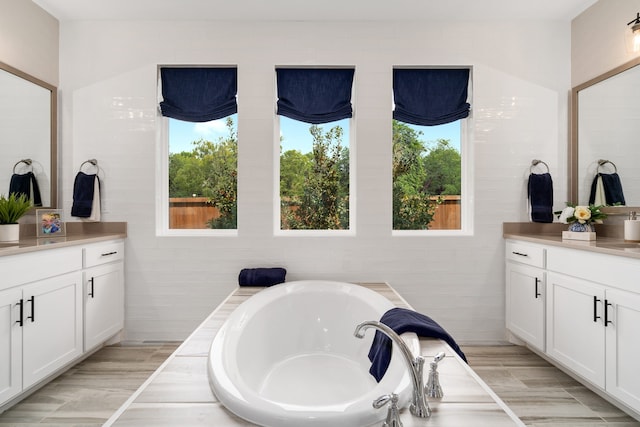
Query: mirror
(605,133)
(28,132)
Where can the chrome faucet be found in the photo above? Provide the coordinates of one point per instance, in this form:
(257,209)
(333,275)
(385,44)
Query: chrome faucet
(419,406)
(393,413)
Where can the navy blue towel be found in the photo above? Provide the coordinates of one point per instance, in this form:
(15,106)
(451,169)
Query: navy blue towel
(261,276)
(402,320)
(612,189)
(540,192)
(83,188)
(22,184)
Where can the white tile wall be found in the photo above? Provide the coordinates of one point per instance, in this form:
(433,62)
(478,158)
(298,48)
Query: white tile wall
(108,94)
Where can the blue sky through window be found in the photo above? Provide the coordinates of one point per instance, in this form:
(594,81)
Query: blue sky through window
(296,134)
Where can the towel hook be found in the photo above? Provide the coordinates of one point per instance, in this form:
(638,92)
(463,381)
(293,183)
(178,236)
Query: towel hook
(92,162)
(536,162)
(28,162)
(603,162)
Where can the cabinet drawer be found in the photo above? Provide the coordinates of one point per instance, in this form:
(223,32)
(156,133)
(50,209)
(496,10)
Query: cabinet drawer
(25,268)
(525,253)
(102,253)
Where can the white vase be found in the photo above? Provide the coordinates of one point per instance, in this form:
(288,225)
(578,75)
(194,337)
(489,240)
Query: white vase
(9,232)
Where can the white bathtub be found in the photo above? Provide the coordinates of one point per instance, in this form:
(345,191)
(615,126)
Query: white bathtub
(287,357)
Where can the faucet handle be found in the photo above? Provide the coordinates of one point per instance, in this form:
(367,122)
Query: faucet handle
(433,388)
(438,357)
(393,414)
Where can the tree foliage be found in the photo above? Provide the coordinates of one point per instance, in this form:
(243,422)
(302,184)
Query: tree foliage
(319,200)
(209,170)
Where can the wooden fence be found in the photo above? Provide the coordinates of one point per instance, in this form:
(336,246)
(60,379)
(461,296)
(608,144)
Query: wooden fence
(194,212)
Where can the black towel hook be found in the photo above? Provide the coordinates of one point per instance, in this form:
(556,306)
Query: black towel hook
(92,162)
(28,162)
(536,162)
(603,162)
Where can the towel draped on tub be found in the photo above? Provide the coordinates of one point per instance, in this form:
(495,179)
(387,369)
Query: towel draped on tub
(261,276)
(402,320)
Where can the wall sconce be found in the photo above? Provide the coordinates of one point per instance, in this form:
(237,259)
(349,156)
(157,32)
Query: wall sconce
(635,33)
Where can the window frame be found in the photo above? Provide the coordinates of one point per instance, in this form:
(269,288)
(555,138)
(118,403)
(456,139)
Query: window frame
(467,207)
(277,230)
(162,175)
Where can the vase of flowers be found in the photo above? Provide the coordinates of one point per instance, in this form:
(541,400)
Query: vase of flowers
(581,220)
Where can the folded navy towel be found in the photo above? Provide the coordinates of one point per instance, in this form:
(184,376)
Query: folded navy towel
(402,320)
(22,184)
(612,189)
(540,192)
(83,189)
(261,276)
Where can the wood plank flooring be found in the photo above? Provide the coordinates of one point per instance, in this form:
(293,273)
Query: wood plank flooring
(87,394)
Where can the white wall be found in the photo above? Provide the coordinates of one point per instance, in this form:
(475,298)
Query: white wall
(598,41)
(519,109)
(29,39)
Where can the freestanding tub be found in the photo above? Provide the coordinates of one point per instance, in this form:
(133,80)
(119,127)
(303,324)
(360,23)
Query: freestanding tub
(287,357)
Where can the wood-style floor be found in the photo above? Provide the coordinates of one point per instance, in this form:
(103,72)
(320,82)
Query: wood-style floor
(87,394)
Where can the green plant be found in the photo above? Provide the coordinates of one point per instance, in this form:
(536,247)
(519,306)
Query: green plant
(13,207)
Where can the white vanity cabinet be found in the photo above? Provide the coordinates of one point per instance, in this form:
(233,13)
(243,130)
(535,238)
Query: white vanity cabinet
(525,292)
(103,292)
(592,315)
(46,320)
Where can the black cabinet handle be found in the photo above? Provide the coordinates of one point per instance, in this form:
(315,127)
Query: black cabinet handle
(519,253)
(33,308)
(109,253)
(20,321)
(595,308)
(91,293)
(537,294)
(607,304)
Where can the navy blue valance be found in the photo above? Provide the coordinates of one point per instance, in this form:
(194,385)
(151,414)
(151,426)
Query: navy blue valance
(315,95)
(430,97)
(199,94)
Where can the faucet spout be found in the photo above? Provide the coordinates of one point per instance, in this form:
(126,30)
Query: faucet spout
(419,406)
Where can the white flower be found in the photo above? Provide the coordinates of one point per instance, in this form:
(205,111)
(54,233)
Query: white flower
(566,213)
(582,214)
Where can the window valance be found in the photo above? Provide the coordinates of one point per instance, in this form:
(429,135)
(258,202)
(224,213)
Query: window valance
(314,95)
(430,97)
(198,94)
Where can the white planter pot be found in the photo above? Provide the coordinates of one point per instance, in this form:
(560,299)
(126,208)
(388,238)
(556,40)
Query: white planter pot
(9,232)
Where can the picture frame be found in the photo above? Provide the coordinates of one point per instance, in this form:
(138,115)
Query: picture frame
(49,223)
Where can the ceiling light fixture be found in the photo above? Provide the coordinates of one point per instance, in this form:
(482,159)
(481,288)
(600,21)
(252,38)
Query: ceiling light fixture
(635,33)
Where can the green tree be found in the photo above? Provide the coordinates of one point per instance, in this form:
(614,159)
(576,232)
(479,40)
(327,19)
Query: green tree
(442,168)
(324,201)
(294,167)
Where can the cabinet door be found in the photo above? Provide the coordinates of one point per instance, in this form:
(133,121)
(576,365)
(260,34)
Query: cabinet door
(52,332)
(104,303)
(575,328)
(10,344)
(525,303)
(623,347)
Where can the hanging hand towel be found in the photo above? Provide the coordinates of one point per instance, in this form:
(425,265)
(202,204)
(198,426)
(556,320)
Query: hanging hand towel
(612,189)
(26,184)
(402,320)
(83,194)
(596,195)
(95,206)
(540,193)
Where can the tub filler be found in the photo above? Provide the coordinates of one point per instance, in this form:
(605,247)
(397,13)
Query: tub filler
(287,357)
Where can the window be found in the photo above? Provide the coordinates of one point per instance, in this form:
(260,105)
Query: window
(314,108)
(200,159)
(429,134)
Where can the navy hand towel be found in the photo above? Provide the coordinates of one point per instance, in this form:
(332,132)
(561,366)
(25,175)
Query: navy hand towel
(22,184)
(540,192)
(402,320)
(83,189)
(612,189)
(261,276)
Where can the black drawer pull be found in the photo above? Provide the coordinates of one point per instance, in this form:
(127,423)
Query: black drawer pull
(519,253)
(537,293)
(33,308)
(607,304)
(109,253)
(20,321)
(91,292)
(595,308)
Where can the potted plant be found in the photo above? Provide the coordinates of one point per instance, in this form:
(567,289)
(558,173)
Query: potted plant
(11,210)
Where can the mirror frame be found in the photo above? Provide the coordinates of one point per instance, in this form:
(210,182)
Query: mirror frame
(574,143)
(53,198)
